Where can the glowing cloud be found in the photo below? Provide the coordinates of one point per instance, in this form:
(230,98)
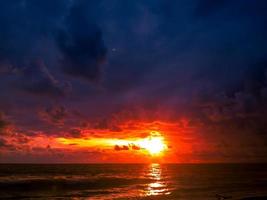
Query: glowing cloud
(154,144)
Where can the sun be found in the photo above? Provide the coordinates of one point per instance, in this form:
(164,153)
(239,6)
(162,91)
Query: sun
(154,144)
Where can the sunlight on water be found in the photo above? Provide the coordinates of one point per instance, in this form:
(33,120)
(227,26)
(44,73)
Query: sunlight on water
(158,186)
(132,181)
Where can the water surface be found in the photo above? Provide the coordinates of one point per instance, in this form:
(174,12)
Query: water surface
(132,181)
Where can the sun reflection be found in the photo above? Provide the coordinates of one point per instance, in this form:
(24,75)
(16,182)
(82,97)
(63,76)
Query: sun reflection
(158,186)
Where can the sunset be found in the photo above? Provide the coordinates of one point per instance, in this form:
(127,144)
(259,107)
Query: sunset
(133,99)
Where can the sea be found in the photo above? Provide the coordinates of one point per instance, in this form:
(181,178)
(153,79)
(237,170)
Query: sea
(133,181)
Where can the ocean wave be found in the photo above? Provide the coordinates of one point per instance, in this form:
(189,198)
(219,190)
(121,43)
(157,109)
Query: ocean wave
(63,183)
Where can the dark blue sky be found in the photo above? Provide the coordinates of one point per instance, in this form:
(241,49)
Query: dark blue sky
(75,64)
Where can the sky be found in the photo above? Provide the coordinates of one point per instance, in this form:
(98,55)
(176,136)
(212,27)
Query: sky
(84,81)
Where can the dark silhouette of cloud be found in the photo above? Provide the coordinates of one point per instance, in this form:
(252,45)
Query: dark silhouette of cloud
(121,148)
(81,44)
(4,145)
(2,142)
(108,123)
(135,147)
(127,147)
(4,124)
(54,115)
(76,133)
(208,7)
(52,35)
(36,79)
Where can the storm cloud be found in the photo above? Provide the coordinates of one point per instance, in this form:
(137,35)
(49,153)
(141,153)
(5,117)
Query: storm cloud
(113,65)
(82,45)
(39,40)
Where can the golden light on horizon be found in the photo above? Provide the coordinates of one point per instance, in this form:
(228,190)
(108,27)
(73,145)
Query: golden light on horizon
(154,144)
